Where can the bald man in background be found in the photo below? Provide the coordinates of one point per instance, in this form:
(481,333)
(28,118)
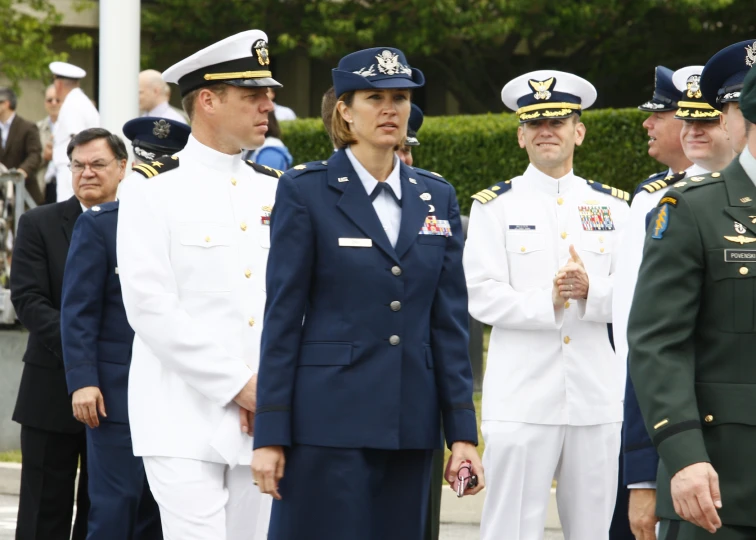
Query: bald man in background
(153,97)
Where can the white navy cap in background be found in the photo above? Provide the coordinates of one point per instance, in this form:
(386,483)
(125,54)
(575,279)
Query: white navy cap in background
(66,70)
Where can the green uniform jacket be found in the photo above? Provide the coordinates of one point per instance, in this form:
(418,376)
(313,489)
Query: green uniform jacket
(692,336)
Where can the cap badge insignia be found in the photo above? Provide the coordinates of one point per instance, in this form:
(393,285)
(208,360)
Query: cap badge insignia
(542,88)
(739,228)
(162,129)
(389,64)
(261,48)
(694,87)
(751,55)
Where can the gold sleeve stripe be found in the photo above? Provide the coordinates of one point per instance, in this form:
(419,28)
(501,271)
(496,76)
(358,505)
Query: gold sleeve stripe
(625,196)
(146,172)
(489,192)
(662,423)
(150,168)
(650,188)
(614,192)
(480,198)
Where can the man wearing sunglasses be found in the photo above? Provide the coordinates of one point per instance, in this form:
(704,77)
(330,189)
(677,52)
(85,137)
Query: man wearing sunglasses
(52,440)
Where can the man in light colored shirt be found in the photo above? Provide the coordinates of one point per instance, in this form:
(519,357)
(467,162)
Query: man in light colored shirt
(282,112)
(46,173)
(77,113)
(153,97)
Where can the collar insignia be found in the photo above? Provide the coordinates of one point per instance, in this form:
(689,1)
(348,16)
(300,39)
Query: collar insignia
(541,88)
(162,129)
(739,228)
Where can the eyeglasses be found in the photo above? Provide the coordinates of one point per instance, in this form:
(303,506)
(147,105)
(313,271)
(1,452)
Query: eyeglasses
(98,166)
(52,100)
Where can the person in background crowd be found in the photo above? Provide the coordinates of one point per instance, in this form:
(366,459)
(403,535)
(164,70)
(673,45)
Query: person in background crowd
(192,247)
(327,105)
(704,141)
(413,126)
(77,113)
(273,153)
(692,334)
(721,81)
(52,441)
(282,112)
(97,341)
(350,400)
(154,94)
(152,138)
(639,459)
(46,173)
(540,260)
(20,147)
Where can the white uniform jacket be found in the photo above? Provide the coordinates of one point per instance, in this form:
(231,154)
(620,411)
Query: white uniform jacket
(192,249)
(77,113)
(630,254)
(546,365)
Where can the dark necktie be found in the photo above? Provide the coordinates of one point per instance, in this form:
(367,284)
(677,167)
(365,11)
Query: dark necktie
(383,186)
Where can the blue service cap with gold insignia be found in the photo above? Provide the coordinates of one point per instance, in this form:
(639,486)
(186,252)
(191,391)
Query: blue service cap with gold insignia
(692,104)
(666,95)
(377,68)
(152,137)
(723,75)
(238,60)
(547,94)
(413,126)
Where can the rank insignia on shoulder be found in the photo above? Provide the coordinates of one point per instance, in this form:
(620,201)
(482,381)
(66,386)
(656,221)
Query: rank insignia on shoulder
(491,193)
(661,222)
(156,167)
(264,169)
(299,167)
(609,190)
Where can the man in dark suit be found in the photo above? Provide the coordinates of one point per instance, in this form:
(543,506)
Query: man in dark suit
(21,148)
(52,441)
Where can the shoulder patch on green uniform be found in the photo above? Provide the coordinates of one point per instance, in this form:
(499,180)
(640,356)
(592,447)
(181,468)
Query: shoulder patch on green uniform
(162,164)
(494,191)
(668,200)
(431,175)
(305,168)
(264,169)
(661,221)
(698,181)
(609,190)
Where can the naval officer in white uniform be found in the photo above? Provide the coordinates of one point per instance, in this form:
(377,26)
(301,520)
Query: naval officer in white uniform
(77,113)
(539,263)
(193,240)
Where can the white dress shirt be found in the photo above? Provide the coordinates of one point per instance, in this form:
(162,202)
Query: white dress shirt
(164,110)
(389,213)
(283,113)
(5,129)
(546,365)
(748,162)
(192,247)
(77,113)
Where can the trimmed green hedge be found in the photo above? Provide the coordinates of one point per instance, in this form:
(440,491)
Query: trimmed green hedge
(474,152)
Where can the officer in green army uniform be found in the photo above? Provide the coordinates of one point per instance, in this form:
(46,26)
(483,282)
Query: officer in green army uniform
(692,336)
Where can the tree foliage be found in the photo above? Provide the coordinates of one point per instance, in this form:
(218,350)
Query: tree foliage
(475,46)
(26,39)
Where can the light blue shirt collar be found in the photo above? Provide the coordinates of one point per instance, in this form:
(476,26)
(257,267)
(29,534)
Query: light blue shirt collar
(5,127)
(367,179)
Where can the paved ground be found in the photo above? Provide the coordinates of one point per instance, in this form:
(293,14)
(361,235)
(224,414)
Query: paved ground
(449,531)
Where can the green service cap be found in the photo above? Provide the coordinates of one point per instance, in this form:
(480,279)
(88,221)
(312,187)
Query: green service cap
(748,97)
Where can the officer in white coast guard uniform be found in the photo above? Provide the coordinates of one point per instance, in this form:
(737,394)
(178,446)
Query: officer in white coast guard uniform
(77,113)
(539,262)
(193,238)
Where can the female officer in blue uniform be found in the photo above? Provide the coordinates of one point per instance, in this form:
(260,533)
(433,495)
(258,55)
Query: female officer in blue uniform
(364,345)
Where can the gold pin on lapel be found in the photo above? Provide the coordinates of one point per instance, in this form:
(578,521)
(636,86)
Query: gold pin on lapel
(746,199)
(753,219)
(412,181)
